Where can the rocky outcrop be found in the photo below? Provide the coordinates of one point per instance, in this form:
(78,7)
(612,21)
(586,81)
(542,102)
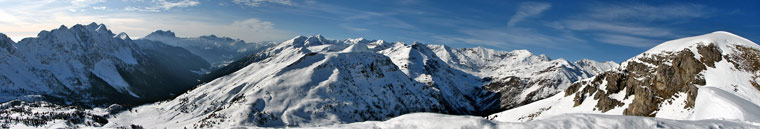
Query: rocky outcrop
(652,80)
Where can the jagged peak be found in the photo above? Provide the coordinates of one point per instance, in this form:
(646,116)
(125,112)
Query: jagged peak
(100,28)
(301,41)
(162,33)
(90,29)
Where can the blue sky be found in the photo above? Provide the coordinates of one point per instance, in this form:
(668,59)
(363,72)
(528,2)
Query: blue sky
(598,30)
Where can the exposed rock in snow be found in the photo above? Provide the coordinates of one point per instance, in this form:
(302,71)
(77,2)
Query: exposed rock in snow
(711,76)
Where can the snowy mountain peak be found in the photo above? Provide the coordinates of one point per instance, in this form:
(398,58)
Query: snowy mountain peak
(722,39)
(315,40)
(123,36)
(161,33)
(63,32)
(358,40)
(304,41)
(357,80)
(92,27)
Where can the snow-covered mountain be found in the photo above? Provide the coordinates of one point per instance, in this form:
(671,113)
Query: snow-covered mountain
(309,81)
(88,65)
(218,51)
(519,76)
(711,76)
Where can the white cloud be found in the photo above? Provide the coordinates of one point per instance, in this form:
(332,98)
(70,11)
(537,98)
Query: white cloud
(85,3)
(528,10)
(162,5)
(257,3)
(99,8)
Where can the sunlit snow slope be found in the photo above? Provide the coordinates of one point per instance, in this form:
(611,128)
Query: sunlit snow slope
(308,81)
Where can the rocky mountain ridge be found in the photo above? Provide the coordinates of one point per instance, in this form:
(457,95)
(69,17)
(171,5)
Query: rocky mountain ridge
(711,76)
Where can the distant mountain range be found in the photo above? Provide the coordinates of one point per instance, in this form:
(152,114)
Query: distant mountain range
(218,51)
(307,81)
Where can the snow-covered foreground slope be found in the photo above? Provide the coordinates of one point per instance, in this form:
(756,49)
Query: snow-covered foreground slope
(711,76)
(218,51)
(566,121)
(89,65)
(312,81)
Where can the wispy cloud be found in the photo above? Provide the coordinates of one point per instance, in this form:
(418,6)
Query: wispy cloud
(345,26)
(99,8)
(631,24)
(528,10)
(84,3)
(514,38)
(622,28)
(257,3)
(162,5)
(254,25)
(625,40)
(644,12)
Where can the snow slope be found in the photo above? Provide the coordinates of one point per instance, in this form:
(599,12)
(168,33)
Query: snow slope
(711,76)
(312,81)
(566,121)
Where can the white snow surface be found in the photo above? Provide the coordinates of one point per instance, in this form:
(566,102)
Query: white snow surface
(567,121)
(105,70)
(312,81)
(727,94)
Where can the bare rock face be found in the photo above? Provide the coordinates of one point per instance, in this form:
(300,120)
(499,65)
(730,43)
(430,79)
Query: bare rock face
(672,73)
(511,87)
